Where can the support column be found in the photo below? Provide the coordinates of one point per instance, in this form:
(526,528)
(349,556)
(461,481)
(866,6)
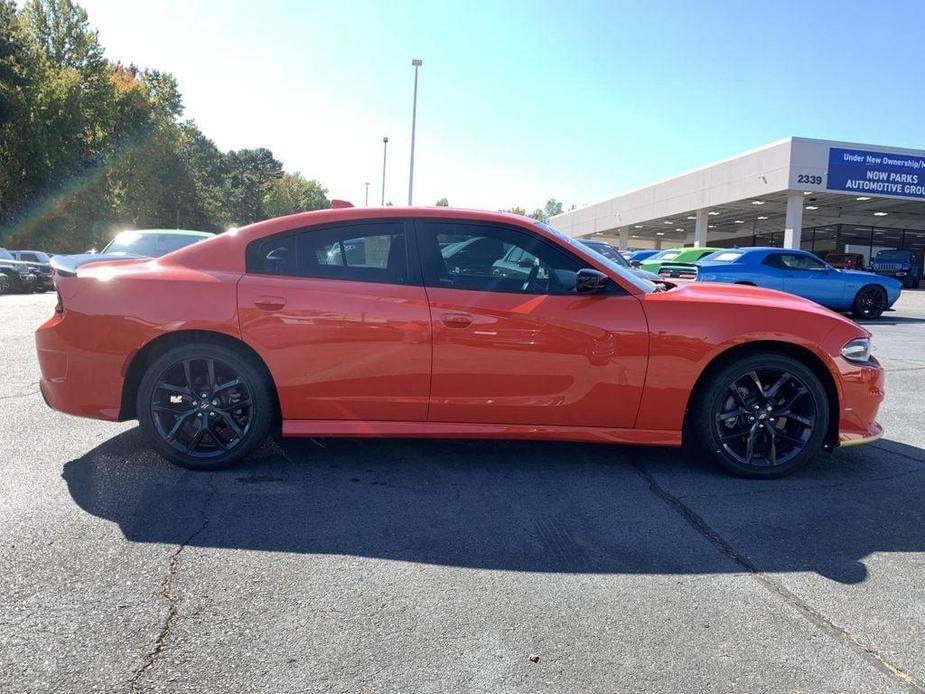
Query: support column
(700,228)
(658,244)
(793,223)
(624,239)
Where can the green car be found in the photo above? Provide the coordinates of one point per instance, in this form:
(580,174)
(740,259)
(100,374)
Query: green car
(676,256)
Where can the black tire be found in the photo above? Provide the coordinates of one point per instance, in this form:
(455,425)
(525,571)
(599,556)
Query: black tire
(205,433)
(5,284)
(869,302)
(768,435)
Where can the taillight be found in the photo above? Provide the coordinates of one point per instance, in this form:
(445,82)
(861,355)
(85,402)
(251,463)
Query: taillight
(59,306)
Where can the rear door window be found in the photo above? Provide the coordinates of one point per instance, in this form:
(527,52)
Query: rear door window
(371,251)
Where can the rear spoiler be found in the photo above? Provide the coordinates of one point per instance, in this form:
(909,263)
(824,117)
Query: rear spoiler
(684,271)
(66,265)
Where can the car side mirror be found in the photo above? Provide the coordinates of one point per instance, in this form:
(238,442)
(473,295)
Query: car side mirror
(636,264)
(589,281)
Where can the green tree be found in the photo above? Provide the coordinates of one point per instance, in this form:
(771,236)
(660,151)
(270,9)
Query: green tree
(516,210)
(443,202)
(16,78)
(63,31)
(552,208)
(250,174)
(292,193)
(88,147)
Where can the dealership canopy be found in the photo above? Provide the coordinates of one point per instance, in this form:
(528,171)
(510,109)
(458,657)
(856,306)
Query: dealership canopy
(815,194)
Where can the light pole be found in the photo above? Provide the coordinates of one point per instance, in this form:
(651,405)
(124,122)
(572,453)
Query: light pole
(416,64)
(366,204)
(385,151)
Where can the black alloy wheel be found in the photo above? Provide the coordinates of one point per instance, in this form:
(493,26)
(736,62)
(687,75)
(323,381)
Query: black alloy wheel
(870,302)
(204,407)
(201,407)
(763,416)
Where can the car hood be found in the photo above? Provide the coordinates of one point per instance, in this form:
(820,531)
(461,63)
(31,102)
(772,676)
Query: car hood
(15,264)
(68,264)
(863,275)
(739,294)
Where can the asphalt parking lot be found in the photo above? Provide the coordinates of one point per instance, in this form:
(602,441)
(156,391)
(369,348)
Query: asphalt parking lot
(398,566)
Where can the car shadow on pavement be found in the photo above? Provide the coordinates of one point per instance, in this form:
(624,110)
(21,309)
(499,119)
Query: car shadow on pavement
(886,319)
(520,506)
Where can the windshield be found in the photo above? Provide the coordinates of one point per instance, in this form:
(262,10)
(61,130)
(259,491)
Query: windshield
(148,245)
(893,255)
(608,251)
(5,254)
(630,276)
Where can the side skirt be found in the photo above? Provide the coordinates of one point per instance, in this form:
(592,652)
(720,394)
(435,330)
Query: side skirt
(317,428)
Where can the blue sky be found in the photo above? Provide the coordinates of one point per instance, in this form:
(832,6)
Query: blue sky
(519,101)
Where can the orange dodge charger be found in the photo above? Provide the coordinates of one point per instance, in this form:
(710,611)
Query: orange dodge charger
(447,323)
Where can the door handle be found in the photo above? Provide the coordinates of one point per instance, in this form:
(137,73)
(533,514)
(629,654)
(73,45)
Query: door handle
(270,303)
(456,320)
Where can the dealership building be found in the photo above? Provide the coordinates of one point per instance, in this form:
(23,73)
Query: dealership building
(818,195)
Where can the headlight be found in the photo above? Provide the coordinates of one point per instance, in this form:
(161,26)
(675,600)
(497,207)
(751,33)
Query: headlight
(857,350)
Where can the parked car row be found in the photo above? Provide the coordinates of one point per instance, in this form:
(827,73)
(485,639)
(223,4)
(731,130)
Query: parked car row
(24,271)
(891,262)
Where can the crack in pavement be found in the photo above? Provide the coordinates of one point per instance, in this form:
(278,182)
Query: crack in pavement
(24,394)
(808,488)
(812,615)
(901,454)
(168,596)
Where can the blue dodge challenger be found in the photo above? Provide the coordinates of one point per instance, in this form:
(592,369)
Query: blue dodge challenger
(865,294)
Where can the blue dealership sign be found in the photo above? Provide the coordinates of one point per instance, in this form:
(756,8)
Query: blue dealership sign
(876,173)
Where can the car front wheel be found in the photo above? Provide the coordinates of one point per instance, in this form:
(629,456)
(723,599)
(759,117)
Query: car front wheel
(762,416)
(205,406)
(870,302)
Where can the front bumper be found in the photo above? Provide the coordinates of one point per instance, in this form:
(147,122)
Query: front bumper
(862,394)
(875,433)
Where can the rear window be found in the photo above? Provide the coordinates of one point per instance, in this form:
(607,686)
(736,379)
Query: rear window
(666,255)
(150,245)
(726,257)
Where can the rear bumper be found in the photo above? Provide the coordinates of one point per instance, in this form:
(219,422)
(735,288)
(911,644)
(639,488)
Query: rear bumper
(75,381)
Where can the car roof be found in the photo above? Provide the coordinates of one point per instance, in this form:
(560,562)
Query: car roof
(761,249)
(172,232)
(222,252)
(691,249)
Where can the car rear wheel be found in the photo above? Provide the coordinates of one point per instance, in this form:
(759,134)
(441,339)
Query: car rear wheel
(5,284)
(762,416)
(869,302)
(204,406)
